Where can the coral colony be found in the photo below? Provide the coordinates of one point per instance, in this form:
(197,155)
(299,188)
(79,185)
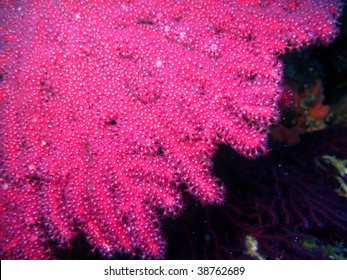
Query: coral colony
(111,110)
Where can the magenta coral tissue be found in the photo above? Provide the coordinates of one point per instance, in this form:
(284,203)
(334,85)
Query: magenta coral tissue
(109,110)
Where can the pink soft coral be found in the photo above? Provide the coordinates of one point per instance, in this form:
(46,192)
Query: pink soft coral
(107,108)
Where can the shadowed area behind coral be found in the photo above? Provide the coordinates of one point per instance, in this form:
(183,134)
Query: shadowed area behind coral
(285,203)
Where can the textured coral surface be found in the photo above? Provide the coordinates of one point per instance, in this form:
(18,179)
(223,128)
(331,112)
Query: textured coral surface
(110,109)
